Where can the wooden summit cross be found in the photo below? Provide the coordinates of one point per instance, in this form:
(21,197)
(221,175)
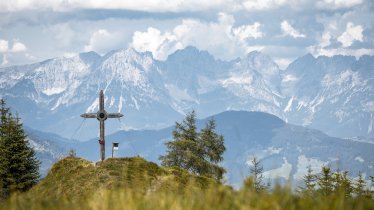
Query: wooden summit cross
(102,115)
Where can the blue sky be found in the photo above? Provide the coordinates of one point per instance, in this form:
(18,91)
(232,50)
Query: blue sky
(35,30)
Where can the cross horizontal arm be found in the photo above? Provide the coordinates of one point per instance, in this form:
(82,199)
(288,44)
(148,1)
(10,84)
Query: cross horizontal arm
(89,115)
(115,115)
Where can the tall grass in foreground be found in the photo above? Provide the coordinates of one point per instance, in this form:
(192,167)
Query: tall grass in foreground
(133,183)
(217,197)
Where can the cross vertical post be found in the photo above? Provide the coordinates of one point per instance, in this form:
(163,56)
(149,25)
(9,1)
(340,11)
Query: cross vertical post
(102,115)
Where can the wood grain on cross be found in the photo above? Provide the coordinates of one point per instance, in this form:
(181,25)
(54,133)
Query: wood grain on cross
(102,115)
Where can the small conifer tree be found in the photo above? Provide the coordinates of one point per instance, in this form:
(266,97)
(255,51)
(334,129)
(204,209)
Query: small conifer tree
(342,183)
(257,175)
(325,181)
(309,180)
(213,147)
(359,185)
(197,152)
(19,167)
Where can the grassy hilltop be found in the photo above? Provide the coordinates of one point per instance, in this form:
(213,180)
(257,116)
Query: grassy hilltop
(134,183)
(74,178)
(75,182)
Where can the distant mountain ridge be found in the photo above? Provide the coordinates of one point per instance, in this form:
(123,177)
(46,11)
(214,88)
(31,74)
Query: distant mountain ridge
(285,150)
(333,94)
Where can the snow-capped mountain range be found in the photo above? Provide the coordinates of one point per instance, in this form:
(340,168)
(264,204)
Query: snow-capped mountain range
(332,94)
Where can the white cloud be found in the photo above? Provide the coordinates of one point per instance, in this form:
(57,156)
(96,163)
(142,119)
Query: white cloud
(46,33)
(351,34)
(262,4)
(146,5)
(16,5)
(172,5)
(248,31)
(11,53)
(139,5)
(154,41)
(160,5)
(325,39)
(102,41)
(220,38)
(282,62)
(142,5)
(5,60)
(30,57)
(317,51)
(70,54)
(18,47)
(337,4)
(63,34)
(4,46)
(345,36)
(288,30)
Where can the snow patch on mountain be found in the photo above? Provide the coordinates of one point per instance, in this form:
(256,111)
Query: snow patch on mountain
(359,159)
(289,105)
(206,85)
(94,106)
(36,146)
(284,171)
(135,102)
(368,106)
(120,103)
(273,150)
(179,95)
(289,78)
(112,101)
(238,79)
(54,90)
(303,162)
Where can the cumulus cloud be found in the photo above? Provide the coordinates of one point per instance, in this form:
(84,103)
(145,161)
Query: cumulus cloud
(146,5)
(337,4)
(288,30)
(351,34)
(340,31)
(325,40)
(262,4)
(5,60)
(4,46)
(63,33)
(165,26)
(152,40)
(102,41)
(248,31)
(220,38)
(17,5)
(70,54)
(18,47)
(341,51)
(30,57)
(11,51)
(139,5)
(282,62)
(171,6)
